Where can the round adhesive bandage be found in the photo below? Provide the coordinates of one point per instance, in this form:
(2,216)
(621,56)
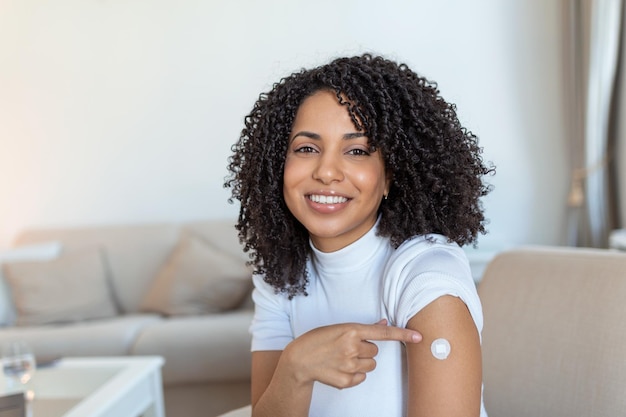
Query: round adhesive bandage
(440,348)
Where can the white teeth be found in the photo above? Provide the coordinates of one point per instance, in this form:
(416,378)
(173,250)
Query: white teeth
(327,199)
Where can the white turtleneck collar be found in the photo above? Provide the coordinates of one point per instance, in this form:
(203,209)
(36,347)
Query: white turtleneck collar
(352,257)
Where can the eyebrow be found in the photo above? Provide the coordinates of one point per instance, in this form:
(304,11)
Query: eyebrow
(315,136)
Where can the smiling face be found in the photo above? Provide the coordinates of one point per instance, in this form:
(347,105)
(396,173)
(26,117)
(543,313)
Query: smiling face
(333,181)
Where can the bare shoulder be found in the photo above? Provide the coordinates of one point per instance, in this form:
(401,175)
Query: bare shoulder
(445,379)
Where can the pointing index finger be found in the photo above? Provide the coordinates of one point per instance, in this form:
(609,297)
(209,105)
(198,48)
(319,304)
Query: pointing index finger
(381,332)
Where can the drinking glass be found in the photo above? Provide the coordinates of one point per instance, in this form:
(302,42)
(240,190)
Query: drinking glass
(18,365)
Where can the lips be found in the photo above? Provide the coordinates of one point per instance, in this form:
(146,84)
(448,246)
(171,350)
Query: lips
(327,199)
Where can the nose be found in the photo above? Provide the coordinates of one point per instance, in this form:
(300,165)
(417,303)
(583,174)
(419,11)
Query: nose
(328,169)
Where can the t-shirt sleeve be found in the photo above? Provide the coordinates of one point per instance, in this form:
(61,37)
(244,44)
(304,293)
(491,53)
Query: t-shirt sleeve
(270,328)
(422,271)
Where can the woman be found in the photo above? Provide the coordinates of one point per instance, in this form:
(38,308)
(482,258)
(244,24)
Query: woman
(358,185)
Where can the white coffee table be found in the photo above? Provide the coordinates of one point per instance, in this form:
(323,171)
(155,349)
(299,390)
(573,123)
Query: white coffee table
(99,387)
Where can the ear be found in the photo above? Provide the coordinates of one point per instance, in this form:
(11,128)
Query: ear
(388,180)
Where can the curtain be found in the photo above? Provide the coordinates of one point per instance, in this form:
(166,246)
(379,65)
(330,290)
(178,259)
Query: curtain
(592,45)
(620,127)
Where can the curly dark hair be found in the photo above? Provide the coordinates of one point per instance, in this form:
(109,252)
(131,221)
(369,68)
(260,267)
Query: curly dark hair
(435,164)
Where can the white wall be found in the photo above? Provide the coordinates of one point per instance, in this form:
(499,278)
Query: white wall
(125,111)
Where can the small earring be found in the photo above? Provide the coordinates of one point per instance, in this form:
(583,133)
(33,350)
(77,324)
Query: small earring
(385,196)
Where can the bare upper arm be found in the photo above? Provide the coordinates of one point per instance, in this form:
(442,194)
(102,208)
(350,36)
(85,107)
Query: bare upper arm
(263,366)
(450,387)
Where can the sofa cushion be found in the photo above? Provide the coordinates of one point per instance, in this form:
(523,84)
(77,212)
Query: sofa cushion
(44,251)
(134,253)
(210,348)
(71,288)
(106,337)
(220,233)
(198,279)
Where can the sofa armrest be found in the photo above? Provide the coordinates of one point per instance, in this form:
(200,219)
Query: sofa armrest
(554,332)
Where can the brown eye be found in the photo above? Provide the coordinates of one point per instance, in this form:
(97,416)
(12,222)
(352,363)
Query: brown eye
(305,149)
(358,152)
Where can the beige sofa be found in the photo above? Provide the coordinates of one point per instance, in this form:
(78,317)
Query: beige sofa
(181,291)
(554,337)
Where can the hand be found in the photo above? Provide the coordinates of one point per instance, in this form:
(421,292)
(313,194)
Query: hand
(340,355)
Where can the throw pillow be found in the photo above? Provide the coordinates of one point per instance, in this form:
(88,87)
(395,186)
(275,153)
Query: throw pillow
(198,279)
(74,287)
(36,252)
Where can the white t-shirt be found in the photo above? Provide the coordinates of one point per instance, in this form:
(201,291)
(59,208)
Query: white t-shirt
(364,282)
